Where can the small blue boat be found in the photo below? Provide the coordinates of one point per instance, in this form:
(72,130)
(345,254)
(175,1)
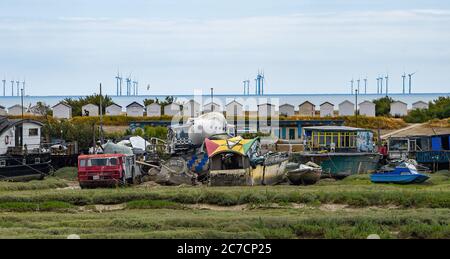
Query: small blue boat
(403,174)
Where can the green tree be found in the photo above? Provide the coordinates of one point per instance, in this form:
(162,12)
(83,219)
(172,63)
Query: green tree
(383,106)
(77,104)
(42,109)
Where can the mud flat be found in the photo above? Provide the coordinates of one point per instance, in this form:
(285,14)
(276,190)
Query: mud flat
(352,208)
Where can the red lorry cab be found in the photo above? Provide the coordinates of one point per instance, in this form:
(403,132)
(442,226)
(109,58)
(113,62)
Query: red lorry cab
(101,169)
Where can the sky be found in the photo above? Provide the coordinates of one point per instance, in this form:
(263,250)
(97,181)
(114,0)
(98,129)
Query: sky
(305,46)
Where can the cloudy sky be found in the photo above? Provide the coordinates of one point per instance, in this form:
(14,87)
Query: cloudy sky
(305,46)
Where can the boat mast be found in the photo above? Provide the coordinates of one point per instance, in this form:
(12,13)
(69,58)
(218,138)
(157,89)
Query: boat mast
(21,107)
(101,116)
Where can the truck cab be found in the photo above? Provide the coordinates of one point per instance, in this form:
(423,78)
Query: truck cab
(107,170)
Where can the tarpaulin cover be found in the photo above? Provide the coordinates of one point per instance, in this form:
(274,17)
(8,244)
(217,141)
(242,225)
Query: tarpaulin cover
(236,144)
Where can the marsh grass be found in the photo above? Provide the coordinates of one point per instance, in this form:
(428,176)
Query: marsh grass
(67,173)
(49,183)
(276,223)
(35,209)
(35,206)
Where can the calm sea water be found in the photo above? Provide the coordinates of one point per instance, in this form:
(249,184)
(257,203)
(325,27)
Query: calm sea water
(250,101)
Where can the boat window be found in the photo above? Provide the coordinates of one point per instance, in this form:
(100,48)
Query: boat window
(398,145)
(2,163)
(37,160)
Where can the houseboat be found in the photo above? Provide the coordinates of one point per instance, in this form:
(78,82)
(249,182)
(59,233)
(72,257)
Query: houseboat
(22,155)
(238,162)
(432,151)
(340,151)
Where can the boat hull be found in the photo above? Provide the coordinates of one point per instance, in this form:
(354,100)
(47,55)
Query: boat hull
(341,165)
(400,179)
(304,176)
(16,170)
(260,175)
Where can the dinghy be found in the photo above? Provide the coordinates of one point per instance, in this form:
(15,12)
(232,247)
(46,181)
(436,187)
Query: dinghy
(405,173)
(305,174)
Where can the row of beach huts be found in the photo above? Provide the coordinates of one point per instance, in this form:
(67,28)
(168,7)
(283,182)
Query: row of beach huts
(234,108)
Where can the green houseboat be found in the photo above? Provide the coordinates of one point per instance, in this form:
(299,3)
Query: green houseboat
(340,151)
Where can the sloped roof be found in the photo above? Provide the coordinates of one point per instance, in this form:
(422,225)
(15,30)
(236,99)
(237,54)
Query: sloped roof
(347,101)
(400,102)
(209,104)
(367,102)
(133,103)
(62,103)
(5,123)
(305,102)
(90,104)
(287,104)
(234,101)
(114,104)
(327,103)
(267,104)
(420,102)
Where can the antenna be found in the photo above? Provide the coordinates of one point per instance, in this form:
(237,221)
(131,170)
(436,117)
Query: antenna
(410,79)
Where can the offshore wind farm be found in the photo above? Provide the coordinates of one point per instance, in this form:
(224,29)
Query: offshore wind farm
(125,90)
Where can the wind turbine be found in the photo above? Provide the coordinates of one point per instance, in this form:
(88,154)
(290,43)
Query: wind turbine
(351,85)
(378,85)
(403,79)
(262,83)
(387,84)
(135,84)
(4,87)
(12,87)
(18,87)
(381,85)
(359,81)
(410,79)
(365,85)
(118,84)
(23,87)
(128,79)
